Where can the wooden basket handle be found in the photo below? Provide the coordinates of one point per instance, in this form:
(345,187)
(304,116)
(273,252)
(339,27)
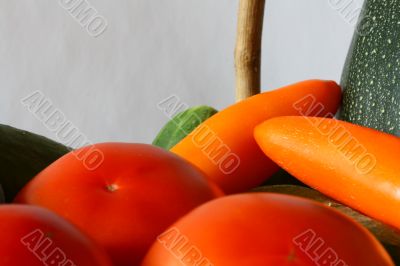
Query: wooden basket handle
(248,48)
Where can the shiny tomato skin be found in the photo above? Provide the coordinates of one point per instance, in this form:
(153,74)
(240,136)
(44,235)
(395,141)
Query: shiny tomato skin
(131,197)
(26,231)
(264,229)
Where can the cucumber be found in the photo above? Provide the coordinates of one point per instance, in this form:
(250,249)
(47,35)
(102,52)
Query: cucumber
(22,156)
(182,125)
(371,76)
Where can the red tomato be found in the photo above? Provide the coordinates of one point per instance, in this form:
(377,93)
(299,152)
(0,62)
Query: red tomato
(130,197)
(36,237)
(263,229)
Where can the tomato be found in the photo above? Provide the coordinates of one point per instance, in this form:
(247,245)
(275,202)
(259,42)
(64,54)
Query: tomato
(262,229)
(35,236)
(122,200)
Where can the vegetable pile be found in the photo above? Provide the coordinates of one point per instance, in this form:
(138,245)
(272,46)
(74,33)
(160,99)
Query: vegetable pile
(272,180)
(201,197)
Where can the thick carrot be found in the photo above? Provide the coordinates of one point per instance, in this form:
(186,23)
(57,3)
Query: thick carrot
(224,146)
(355,165)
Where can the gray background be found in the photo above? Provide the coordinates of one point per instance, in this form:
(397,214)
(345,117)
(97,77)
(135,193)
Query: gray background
(109,86)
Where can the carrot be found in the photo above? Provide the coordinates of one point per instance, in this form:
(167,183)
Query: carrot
(224,147)
(355,165)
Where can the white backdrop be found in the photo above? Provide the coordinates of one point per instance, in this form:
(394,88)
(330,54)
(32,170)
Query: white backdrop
(109,86)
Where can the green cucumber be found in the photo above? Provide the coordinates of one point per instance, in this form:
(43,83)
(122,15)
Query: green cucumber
(22,156)
(182,125)
(371,76)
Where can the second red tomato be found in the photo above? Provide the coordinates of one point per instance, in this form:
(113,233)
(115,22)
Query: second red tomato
(262,229)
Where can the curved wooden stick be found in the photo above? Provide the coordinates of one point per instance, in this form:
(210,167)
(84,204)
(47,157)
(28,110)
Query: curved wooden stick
(248,48)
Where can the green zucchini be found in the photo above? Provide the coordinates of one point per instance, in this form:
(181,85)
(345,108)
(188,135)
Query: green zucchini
(22,156)
(182,125)
(371,76)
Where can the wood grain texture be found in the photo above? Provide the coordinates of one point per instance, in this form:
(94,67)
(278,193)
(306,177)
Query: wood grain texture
(248,48)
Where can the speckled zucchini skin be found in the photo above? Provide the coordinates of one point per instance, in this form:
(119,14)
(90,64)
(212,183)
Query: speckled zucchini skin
(371,76)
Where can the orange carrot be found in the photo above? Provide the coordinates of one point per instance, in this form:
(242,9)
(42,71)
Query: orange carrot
(352,164)
(224,146)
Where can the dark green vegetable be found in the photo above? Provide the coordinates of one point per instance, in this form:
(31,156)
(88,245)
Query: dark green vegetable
(371,76)
(282,178)
(2,199)
(182,125)
(22,156)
